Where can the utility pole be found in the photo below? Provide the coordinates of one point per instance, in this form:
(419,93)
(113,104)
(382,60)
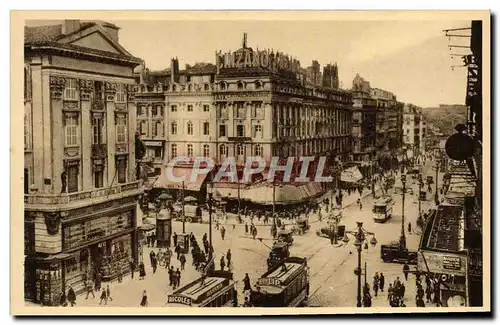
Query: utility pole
(436,195)
(183,211)
(402,239)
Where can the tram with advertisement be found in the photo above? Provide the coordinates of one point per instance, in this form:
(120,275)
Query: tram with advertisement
(215,290)
(284,285)
(382,209)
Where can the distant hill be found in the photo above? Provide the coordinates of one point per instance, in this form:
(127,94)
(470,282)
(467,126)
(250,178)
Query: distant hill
(446,117)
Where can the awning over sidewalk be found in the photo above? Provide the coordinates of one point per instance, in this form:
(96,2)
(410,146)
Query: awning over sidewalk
(164,182)
(351,175)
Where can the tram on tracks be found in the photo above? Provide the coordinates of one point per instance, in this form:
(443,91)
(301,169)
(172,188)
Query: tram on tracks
(216,290)
(284,285)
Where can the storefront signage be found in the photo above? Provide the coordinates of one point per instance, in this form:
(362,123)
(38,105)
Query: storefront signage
(441,263)
(179,300)
(154,143)
(257,59)
(269,282)
(451,263)
(214,289)
(80,233)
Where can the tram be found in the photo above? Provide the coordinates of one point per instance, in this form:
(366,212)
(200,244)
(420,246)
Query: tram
(284,285)
(216,290)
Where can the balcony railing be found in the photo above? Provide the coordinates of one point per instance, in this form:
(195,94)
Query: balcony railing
(99,150)
(66,198)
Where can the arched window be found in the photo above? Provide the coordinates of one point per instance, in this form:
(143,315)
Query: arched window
(190,128)
(174,87)
(190,151)
(241,86)
(222,151)
(206,150)
(258,85)
(206,87)
(239,150)
(222,86)
(258,151)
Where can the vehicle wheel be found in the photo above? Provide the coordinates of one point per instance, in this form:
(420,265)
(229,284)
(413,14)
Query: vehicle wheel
(189,220)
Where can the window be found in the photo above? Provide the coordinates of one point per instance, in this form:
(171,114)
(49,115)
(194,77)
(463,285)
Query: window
(240,130)
(190,150)
(241,86)
(173,128)
(258,151)
(257,131)
(140,110)
(190,128)
(258,85)
(222,130)
(240,110)
(97,123)
(72,179)
(26,181)
(206,150)
(121,93)
(158,152)
(159,128)
(222,86)
(206,108)
(223,150)
(26,132)
(70,89)
(98,179)
(206,128)
(239,150)
(190,88)
(173,150)
(121,128)
(143,127)
(190,108)
(173,108)
(122,171)
(71,130)
(257,111)
(206,87)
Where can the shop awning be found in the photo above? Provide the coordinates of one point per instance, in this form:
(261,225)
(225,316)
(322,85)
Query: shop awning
(351,175)
(164,182)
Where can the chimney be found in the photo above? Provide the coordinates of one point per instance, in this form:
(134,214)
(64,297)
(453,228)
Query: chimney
(174,70)
(70,26)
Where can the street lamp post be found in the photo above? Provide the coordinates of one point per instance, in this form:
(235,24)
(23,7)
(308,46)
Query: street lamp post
(360,236)
(210,189)
(183,211)
(402,239)
(436,195)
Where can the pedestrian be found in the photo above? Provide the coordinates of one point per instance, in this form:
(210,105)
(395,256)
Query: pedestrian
(360,205)
(254,232)
(222,232)
(182,259)
(420,302)
(62,299)
(97,281)
(104,297)
(228,257)
(171,276)
(120,272)
(381,281)
(90,289)
(151,257)
(71,296)
(222,263)
(246,283)
(144,300)
(409,227)
(154,264)
(406,270)
(178,251)
(174,237)
(178,277)
(142,271)
(375,284)
(174,279)
(390,292)
(132,268)
(108,292)
(402,291)
(428,294)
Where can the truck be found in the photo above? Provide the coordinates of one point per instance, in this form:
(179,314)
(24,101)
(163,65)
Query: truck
(394,253)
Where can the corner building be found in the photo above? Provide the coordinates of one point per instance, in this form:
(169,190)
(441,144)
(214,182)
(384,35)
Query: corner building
(79,176)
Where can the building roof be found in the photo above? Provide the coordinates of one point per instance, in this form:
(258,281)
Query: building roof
(446,231)
(51,37)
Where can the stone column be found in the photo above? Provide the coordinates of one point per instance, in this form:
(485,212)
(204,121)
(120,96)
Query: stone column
(110,133)
(86,126)
(58,137)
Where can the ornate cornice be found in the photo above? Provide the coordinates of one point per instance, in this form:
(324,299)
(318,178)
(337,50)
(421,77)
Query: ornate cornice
(131,90)
(110,91)
(57,87)
(86,89)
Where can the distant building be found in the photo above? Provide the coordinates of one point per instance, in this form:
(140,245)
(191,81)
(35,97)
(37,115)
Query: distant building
(80,189)
(414,131)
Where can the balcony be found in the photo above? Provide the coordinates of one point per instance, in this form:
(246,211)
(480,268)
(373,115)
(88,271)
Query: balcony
(99,150)
(79,199)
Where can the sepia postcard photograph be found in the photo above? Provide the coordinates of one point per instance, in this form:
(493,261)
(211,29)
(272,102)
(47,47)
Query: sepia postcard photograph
(255,162)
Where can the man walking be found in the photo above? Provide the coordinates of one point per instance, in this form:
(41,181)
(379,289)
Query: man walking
(108,293)
(90,289)
(406,270)
(381,281)
(182,259)
(228,257)
(222,263)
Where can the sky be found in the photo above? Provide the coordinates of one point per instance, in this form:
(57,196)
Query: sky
(409,58)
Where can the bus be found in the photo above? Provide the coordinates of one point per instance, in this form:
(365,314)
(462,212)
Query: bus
(284,285)
(382,209)
(215,290)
